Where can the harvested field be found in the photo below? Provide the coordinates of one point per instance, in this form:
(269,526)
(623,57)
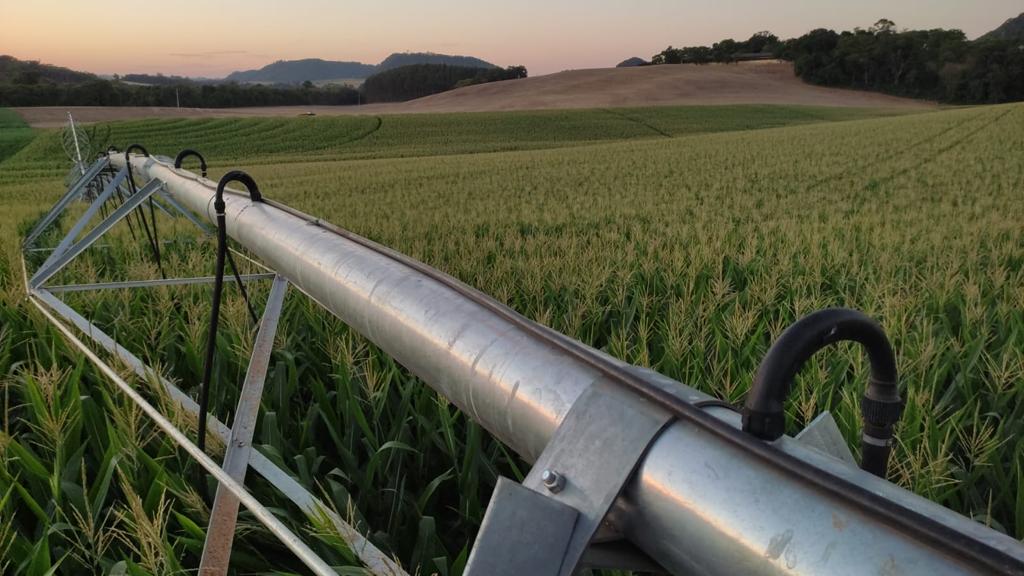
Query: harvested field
(743,83)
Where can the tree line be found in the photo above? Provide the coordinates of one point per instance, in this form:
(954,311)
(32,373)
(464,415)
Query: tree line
(935,64)
(419,80)
(33,84)
(100,92)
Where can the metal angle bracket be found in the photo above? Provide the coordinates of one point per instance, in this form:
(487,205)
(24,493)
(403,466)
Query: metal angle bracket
(823,435)
(584,467)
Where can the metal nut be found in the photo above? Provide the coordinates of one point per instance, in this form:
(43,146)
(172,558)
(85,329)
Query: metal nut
(553,481)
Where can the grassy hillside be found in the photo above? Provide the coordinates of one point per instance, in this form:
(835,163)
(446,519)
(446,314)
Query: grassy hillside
(14,133)
(323,138)
(680,239)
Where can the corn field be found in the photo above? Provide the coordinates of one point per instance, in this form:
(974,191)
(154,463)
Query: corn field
(681,239)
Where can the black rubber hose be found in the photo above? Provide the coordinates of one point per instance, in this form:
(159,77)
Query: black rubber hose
(152,237)
(120,202)
(189,152)
(763,413)
(218,287)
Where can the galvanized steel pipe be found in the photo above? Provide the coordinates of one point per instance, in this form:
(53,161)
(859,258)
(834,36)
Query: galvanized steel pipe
(697,505)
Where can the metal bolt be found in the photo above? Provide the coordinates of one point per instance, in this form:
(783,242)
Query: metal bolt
(553,481)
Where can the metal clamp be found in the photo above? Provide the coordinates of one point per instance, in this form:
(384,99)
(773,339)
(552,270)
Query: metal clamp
(545,526)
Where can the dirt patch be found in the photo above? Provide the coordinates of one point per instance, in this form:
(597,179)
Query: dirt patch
(745,83)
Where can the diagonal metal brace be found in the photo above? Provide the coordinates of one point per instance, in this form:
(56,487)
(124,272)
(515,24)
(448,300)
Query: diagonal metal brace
(87,217)
(584,468)
(221,531)
(57,264)
(186,213)
(73,192)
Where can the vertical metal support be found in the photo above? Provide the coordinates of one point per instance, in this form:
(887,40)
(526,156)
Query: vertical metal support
(221,532)
(59,262)
(73,192)
(78,150)
(84,220)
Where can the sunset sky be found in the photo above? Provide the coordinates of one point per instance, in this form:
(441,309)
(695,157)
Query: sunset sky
(214,37)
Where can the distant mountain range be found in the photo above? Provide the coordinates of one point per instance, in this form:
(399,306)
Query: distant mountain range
(1012,29)
(315,69)
(298,71)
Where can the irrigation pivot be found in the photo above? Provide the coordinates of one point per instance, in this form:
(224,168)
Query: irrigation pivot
(631,470)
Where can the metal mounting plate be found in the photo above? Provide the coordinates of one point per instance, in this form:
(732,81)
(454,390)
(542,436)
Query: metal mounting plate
(523,532)
(594,456)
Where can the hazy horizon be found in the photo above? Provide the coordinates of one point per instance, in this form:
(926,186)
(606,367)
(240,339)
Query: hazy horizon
(189,38)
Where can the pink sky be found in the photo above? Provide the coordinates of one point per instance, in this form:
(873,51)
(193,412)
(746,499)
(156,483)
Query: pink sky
(190,37)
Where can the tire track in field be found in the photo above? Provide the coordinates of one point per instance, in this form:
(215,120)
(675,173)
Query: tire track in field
(337,144)
(638,121)
(938,153)
(885,159)
(367,134)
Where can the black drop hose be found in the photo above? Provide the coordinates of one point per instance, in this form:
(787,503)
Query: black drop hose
(189,152)
(218,287)
(763,413)
(153,237)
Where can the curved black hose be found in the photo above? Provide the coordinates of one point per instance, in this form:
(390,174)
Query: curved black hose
(763,413)
(189,152)
(218,287)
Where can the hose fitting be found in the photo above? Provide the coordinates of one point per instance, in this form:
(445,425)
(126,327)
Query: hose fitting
(189,152)
(881,406)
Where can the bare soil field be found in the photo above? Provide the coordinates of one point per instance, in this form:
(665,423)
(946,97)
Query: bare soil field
(744,83)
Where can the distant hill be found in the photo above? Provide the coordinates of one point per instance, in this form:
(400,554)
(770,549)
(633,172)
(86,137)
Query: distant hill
(316,70)
(298,71)
(1012,29)
(14,71)
(679,85)
(408,58)
(630,62)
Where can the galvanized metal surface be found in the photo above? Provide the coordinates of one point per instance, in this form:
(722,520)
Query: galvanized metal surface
(823,434)
(186,213)
(58,260)
(375,561)
(523,532)
(584,467)
(220,534)
(87,216)
(73,193)
(697,504)
(592,455)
